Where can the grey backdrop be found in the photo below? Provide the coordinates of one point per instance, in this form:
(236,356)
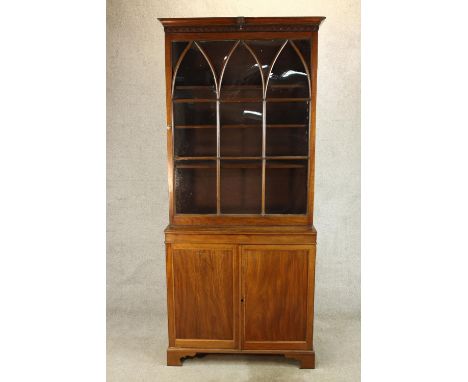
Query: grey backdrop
(137,197)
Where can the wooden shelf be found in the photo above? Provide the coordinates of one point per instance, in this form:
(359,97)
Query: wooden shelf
(240,165)
(195,126)
(238,100)
(285,126)
(284,157)
(233,162)
(242,126)
(286,165)
(195,158)
(179,166)
(287,157)
(193,100)
(293,99)
(242,87)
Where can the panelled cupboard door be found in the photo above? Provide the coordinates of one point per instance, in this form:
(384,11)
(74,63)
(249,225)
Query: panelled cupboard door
(203,284)
(277,294)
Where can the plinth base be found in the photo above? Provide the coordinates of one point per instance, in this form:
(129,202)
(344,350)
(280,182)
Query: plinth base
(306,358)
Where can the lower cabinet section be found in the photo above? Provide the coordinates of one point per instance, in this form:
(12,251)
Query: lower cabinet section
(235,298)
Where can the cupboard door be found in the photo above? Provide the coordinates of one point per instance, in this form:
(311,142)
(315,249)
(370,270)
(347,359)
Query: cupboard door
(204,287)
(277,295)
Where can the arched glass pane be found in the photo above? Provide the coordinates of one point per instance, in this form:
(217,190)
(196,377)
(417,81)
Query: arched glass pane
(242,77)
(288,77)
(265,50)
(178,48)
(217,52)
(304,48)
(194,78)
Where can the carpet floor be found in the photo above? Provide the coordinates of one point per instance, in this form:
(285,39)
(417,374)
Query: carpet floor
(137,342)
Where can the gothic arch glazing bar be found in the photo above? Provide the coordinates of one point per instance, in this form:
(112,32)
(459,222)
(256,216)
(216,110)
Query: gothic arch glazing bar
(271,67)
(258,64)
(287,72)
(210,65)
(179,61)
(225,64)
(304,63)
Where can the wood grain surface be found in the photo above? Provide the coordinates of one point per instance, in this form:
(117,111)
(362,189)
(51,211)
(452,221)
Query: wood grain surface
(274,280)
(205,282)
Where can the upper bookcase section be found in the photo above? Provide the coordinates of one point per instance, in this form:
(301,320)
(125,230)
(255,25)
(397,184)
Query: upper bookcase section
(245,24)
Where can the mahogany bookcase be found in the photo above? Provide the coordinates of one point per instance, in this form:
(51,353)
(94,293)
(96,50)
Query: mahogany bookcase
(240,246)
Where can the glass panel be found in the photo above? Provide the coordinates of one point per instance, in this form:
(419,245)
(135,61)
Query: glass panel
(241,129)
(242,78)
(304,47)
(288,77)
(177,49)
(286,187)
(217,52)
(195,120)
(195,129)
(266,51)
(241,187)
(195,187)
(287,128)
(194,78)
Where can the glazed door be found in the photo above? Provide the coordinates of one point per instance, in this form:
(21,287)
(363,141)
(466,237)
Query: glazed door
(240,123)
(277,296)
(203,294)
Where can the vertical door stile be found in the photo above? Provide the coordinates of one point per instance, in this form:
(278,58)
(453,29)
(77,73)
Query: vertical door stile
(264,92)
(218,155)
(263,152)
(311,134)
(312,124)
(265,87)
(218,146)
